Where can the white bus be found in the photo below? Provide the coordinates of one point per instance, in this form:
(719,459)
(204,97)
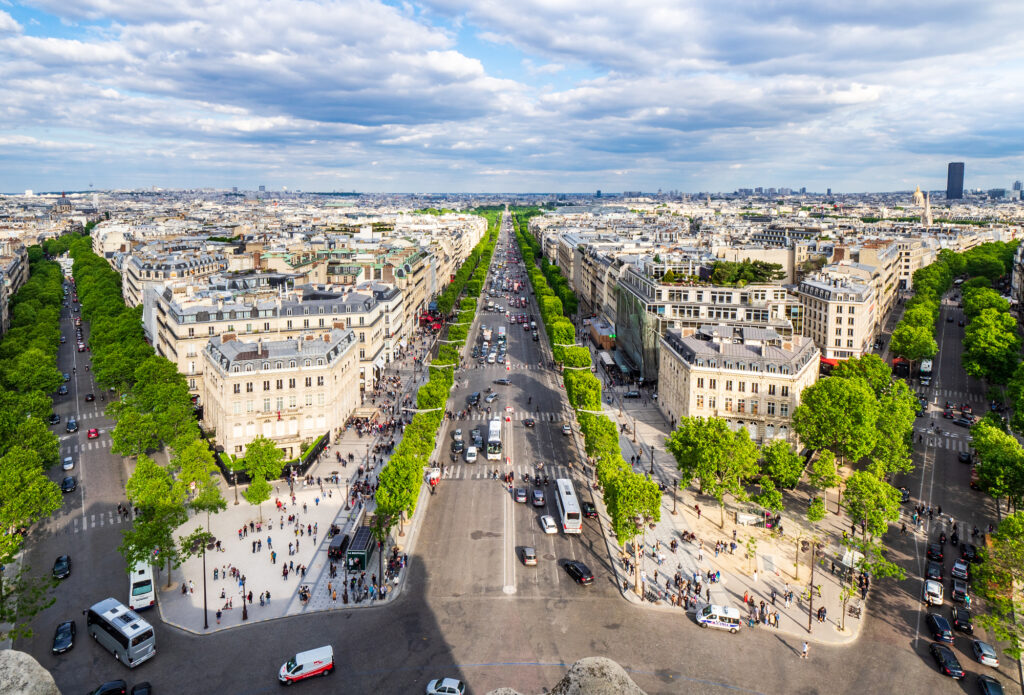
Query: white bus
(494,440)
(501,334)
(568,506)
(925,372)
(486,333)
(125,635)
(141,594)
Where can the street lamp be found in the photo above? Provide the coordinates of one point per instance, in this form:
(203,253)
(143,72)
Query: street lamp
(205,542)
(810,603)
(245,612)
(675,494)
(652,456)
(347,506)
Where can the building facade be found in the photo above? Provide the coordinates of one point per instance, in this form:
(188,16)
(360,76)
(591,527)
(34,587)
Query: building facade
(840,314)
(751,377)
(290,391)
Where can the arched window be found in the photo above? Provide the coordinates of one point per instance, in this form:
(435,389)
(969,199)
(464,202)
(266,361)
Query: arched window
(278,364)
(248,367)
(291,364)
(307,363)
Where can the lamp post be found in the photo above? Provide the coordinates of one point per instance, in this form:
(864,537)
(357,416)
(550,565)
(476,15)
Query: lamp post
(810,603)
(245,612)
(675,494)
(204,543)
(652,457)
(347,505)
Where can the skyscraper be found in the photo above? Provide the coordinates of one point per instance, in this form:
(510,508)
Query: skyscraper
(955,181)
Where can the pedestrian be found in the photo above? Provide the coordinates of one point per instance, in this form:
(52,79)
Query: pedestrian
(268,597)
(218,617)
(330,588)
(903,528)
(803,654)
(261,598)
(773,596)
(269,545)
(191,587)
(696,508)
(254,546)
(250,597)
(755,576)
(334,596)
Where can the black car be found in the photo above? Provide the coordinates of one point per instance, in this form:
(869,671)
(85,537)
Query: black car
(529,422)
(949,319)
(969,552)
(64,637)
(457,446)
(589,510)
(631,394)
(89,397)
(935,551)
(68,484)
(964,457)
(934,571)
(54,419)
(939,627)
(143,688)
(962,620)
(474,398)
(62,567)
(111,688)
(946,660)
(72,425)
(987,685)
(580,573)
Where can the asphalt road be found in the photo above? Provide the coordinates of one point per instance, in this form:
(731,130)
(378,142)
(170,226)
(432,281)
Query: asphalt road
(472,611)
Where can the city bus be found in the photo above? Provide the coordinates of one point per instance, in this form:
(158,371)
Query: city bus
(118,628)
(494,440)
(141,594)
(501,334)
(568,506)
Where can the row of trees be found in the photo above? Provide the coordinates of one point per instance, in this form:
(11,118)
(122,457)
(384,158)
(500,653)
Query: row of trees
(632,499)
(400,482)
(28,375)
(859,414)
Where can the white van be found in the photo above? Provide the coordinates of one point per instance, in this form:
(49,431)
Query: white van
(471,454)
(315,662)
(722,617)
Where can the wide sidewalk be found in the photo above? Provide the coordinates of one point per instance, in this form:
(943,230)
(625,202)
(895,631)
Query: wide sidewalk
(772,567)
(319,505)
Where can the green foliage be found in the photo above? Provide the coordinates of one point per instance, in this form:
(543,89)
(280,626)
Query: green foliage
(1000,464)
(999,579)
(263,459)
(816,510)
(839,415)
(870,368)
(912,342)
(871,500)
(160,503)
(723,460)
(745,272)
(769,498)
(977,300)
(781,464)
(991,346)
(258,492)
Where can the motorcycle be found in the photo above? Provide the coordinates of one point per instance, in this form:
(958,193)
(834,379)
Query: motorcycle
(942,538)
(954,539)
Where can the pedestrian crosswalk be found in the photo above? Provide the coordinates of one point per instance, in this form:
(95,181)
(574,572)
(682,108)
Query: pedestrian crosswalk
(88,445)
(957,395)
(953,441)
(80,524)
(516,416)
(484,470)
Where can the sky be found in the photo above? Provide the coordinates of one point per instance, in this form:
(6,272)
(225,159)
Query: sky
(510,95)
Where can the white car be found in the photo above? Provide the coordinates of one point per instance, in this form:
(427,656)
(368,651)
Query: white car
(69,463)
(933,592)
(446,686)
(984,653)
(959,570)
(491,398)
(457,435)
(547,523)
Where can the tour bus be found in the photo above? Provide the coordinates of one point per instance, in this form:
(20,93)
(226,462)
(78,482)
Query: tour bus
(494,440)
(125,635)
(486,332)
(141,594)
(568,506)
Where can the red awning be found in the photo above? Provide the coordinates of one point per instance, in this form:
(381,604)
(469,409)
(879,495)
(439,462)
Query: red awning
(831,363)
(897,360)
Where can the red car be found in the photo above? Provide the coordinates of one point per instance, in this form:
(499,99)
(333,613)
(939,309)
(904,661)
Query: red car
(92,434)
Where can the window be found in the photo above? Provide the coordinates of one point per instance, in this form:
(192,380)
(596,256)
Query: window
(305,323)
(839,331)
(321,323)
(742,386)
(237,408)
(839,343)
(266,326)
(753,387)
(771,389)
(784,409)
(280,384)
(248,387)
(266,405)
(248,406)
(291,383)
(266,385)
(849,332)
(700,382)
(362,337)
(849,343)
(753,407)
(288,324)
(849,321)
(785,391)
(700,401)
(728,385)
(309,399)
(280,403)
(771,407)
(291,401)
(728,405)
(320,398)
(309,381)
(209,331)
(191,332)
(741,406)
(319,381)
(713,383)
(712,402)
(238,388)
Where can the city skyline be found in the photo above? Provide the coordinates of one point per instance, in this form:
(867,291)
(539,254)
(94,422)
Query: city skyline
(437,96)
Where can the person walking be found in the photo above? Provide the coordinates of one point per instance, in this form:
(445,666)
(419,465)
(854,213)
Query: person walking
(803,654)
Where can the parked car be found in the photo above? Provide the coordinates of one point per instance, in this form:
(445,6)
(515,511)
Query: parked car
(68,463)
(965,421)
(985,653)
(987,685)
(631,394)
(446,686)
(54,419)
(969,552)
(566,429)
(63,390)
(111,688)
(964,457)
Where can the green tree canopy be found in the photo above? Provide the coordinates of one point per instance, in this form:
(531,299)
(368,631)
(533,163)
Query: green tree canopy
(839,415)
(781,464)
(870,368)
(991,347)
(263,459)
(1000,580)
(914,343)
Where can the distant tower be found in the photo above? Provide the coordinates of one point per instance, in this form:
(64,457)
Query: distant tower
(955,181)
(918,197)
(926,216)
